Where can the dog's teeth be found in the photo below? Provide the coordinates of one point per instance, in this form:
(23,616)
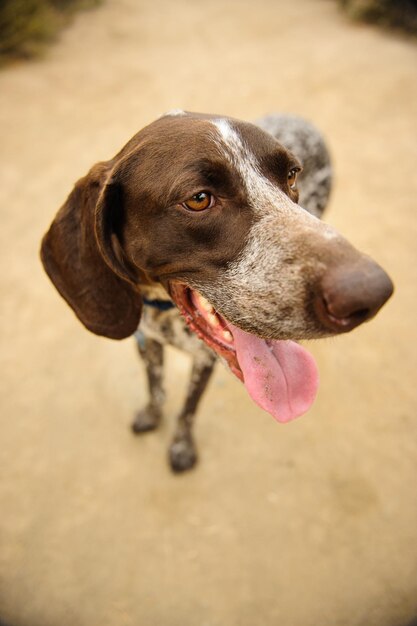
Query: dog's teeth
(205,304)
(227,335)
(213,319)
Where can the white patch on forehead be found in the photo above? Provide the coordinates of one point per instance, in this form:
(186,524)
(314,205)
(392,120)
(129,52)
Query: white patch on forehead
(225,129)
(174,112)
(263,195)
(237,152)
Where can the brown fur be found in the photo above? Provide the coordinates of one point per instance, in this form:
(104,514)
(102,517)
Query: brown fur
(124,229)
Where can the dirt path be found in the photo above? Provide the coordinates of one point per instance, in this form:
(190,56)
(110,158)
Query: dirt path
(311,523)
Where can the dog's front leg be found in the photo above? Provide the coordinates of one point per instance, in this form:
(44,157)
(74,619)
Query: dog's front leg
(182,452)
(152,353)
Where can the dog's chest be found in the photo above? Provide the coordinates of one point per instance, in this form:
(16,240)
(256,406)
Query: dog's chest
(168,327)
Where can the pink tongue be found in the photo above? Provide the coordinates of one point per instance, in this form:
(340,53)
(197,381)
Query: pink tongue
(280,376)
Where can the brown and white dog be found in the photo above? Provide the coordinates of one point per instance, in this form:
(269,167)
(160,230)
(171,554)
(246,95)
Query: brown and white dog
(201,210)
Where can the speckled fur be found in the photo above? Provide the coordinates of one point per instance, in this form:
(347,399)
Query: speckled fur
(169,327)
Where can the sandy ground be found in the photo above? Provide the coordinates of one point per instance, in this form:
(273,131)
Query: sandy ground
(313,523)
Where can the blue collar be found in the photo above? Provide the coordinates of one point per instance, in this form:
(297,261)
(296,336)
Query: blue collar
(161,305)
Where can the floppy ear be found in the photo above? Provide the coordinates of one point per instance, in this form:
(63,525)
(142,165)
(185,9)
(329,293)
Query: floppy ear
(84,269)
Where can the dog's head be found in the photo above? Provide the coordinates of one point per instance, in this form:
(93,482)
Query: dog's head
(207,206)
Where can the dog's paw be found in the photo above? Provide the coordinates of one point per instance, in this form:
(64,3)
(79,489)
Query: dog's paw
(146,419)
(182,454)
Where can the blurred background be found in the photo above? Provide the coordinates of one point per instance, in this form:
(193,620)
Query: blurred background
(314,522)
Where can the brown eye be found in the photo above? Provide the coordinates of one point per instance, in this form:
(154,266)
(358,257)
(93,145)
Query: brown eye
(292,177)
(199,201)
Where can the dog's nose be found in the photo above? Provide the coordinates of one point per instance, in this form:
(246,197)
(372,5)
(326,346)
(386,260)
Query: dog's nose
(351,294)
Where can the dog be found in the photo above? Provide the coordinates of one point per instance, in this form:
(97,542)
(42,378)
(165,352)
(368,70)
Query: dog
(196,234)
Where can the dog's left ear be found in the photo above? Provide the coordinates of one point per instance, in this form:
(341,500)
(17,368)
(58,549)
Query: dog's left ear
(82,256)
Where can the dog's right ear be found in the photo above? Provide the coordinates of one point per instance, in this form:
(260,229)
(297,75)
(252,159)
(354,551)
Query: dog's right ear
(106,303)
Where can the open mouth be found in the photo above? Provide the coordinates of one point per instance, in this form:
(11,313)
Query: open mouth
(207,324)
(279,375)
